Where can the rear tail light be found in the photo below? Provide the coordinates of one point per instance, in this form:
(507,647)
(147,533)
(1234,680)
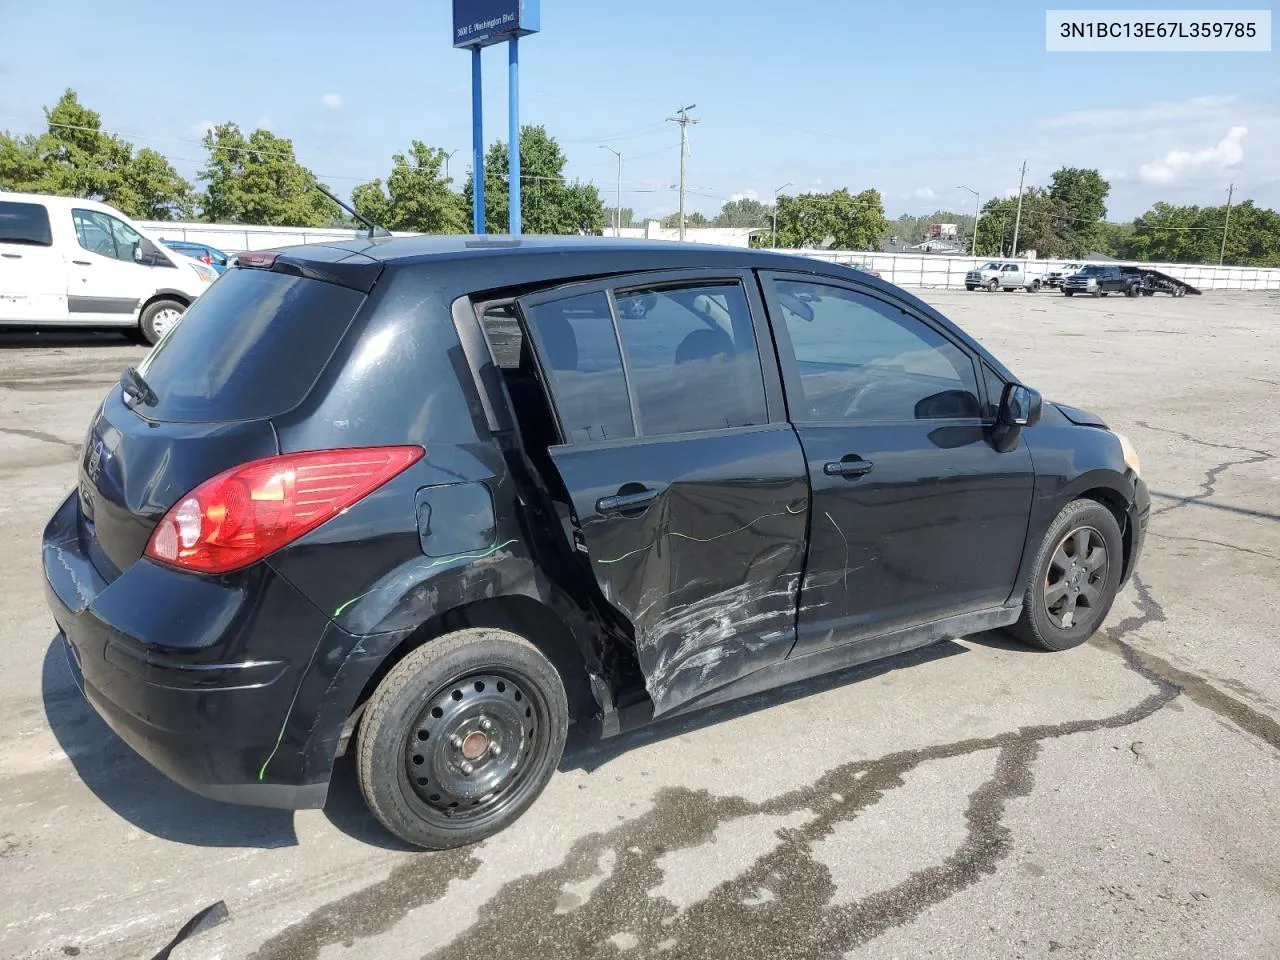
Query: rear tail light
(245,513)
(206,259)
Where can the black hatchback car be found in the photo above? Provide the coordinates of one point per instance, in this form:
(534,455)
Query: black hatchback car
(438,498)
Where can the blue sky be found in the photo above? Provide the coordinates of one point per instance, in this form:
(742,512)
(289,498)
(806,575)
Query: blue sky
(910,98)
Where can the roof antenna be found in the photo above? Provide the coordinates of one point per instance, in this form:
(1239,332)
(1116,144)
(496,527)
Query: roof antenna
(375,231)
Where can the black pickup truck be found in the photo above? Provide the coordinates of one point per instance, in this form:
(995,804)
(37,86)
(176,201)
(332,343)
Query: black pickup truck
(1097,280)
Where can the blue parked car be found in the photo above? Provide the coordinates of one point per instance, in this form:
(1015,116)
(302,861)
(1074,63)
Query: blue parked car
(206,254)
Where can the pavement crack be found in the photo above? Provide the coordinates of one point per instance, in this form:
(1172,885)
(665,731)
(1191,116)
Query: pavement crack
(1216,543)
(41,436)
(1202,443)
(1209,485)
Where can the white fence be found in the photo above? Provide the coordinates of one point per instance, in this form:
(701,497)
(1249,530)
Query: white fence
(233,238)
(904,269)
(924,270)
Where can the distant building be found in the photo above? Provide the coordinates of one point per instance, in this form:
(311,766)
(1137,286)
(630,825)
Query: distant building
(945,247)
(724,236)
(944,231)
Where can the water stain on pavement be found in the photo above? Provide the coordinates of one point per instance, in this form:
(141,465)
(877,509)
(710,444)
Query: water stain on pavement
(782,905)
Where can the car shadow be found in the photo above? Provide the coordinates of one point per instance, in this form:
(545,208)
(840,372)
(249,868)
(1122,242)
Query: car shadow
(346,810)
(588,753)
(136,791)
(19,337)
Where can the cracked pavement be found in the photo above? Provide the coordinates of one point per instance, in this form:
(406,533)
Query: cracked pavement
(974,799)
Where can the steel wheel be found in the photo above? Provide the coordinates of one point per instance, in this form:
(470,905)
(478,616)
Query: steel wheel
(467,755)
(1076,579)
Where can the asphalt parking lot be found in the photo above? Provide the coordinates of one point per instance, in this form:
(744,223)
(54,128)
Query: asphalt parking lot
(975,799)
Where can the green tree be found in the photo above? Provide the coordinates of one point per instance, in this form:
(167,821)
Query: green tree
(744,213)
(691,219)
(257,179)
(1191,234)
(1080,197)
(417,197)
(837,219)
(1039,229)
(76,158)
(628,217)
(549,204)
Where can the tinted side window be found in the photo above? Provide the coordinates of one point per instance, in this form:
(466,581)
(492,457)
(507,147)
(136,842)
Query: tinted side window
(691,357)
(25,223)
(862,360)
(252,346)
(579,351)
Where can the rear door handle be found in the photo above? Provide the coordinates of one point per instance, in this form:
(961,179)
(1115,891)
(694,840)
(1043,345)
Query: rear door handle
(82,263)
(624,502)
(11,256)
(849,469)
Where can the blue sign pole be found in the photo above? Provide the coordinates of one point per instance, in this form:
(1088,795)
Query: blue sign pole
(477,143)
(513,119)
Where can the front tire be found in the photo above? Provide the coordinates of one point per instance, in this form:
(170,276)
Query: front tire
(461,737)
(158,317)
(991,285)
(969,287)
(1068,293)
(1075,578)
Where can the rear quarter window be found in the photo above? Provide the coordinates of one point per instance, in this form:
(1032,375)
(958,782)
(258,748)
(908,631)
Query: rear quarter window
(251,347)
(26,223)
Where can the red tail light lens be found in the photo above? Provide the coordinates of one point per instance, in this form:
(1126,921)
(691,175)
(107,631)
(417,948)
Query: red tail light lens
(206,259)
(245,513)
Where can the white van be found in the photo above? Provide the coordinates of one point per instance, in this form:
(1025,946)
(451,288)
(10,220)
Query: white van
(71,262)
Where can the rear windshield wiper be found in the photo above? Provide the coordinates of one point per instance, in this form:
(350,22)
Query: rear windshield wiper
(133,384)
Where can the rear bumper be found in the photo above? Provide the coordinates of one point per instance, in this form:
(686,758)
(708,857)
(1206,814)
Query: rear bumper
(216,682)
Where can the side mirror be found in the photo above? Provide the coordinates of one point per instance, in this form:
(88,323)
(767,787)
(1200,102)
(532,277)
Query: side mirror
(1019,406)
(145,252)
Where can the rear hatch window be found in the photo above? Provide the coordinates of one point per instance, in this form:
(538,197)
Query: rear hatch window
(251,347)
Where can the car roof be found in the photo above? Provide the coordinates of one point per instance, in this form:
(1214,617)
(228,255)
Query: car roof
(50,200)
(646,254)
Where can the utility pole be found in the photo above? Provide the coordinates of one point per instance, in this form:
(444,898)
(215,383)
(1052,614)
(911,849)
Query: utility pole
(683,119)
(1223,252)
(774,242)
(617,208)
(977,215)
(1018,220)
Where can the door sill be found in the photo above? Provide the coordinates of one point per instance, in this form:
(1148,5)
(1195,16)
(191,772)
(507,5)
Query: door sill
(826,661)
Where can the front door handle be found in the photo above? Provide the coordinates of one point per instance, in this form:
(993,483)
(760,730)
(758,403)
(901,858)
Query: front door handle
(83,263)
(11,256)
(624,502)
(850,468)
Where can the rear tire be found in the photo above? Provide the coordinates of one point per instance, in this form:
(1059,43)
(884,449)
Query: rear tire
(1035,287)
(461,737)
(158,317)
(1074,580)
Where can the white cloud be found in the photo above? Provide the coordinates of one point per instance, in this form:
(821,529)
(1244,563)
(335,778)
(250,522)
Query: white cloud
(744,195)
(197,130)
(924,193)
(1228,152)
(1151,113)
(332,101)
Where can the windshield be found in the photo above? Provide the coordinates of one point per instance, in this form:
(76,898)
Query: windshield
(1093,270)
(250,348)
(993,265)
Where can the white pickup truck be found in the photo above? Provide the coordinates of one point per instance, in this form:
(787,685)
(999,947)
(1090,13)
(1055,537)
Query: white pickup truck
(1001,275)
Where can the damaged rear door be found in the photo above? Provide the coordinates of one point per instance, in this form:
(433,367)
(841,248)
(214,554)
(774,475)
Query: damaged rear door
(689,489)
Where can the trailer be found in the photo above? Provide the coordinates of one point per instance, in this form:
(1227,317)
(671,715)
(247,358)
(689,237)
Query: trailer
(1155,281)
